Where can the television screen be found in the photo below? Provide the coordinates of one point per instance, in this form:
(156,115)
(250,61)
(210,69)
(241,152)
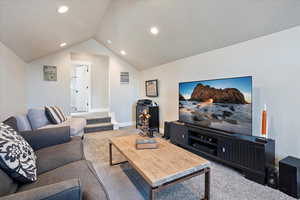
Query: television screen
(223,104)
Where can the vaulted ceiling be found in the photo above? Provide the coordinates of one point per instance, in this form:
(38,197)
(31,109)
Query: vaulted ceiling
(33,28)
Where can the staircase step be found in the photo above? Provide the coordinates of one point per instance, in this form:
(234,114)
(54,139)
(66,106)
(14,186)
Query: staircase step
(90,128)
(98,120)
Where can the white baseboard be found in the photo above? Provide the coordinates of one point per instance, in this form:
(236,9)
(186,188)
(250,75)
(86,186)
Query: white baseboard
(91,111)
(99,110)
(116,126)
(161,130)
(124,124)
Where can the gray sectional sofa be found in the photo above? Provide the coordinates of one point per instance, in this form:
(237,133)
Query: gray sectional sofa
(63,172)
(36,119)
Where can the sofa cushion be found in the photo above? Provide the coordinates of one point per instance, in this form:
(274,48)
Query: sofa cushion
(37,118)
(91,185)
(76,125)
(23,123)
(7,185)
(17,158)
(56,156)
(12,122)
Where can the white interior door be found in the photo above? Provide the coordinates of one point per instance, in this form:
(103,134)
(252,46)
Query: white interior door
(80,88)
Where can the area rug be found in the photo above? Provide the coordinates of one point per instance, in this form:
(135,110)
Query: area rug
(124,183)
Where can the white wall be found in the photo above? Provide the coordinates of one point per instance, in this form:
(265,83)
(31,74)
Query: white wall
(121,97)
(12,84)
(274,63)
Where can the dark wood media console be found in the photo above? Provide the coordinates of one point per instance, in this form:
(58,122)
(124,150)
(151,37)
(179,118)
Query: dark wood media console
(242,152)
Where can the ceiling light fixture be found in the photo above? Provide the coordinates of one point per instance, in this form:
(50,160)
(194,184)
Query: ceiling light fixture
(62,9)
(63,44)
(154,30)
(123,52)
(109,41)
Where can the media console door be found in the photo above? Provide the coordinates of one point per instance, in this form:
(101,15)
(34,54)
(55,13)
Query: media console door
(179,134)
(246,155)
(227,150)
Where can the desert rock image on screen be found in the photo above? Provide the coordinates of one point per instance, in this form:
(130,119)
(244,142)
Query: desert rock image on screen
(224,104)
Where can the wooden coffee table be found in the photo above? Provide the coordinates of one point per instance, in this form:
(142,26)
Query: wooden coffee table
(162,167)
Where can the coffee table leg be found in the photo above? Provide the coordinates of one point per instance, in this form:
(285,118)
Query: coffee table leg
(207,184)
(110,157)
(152,194)
(110,154)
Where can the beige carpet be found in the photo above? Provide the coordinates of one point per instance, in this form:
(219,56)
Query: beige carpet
(124,183)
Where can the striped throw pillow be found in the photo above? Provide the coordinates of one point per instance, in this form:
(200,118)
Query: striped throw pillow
(55,115)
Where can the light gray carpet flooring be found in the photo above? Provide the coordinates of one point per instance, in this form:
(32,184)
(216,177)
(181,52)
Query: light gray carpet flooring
(124,183)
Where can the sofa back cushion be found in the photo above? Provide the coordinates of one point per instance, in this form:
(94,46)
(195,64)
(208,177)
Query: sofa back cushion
(7,186)
(37,118)
(23,123)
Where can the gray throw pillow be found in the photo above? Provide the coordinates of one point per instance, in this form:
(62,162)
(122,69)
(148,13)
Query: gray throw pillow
(17,158)
(37,118)
(23,123)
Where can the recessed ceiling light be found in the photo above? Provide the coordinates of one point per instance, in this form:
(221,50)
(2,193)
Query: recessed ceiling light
(62,9)
(123,52)
(63,44)
(154,30)
(109,41)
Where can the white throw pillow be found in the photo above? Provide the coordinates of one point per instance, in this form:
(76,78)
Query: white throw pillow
(17,158)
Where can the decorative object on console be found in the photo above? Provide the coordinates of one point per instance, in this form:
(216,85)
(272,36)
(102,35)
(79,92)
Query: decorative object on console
(146,144)
(264,123)
(144,117)
(50,73)
(151,88)
(17,158)
(289,176)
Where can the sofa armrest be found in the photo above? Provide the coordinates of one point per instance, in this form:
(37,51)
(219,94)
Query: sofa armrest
(42,138)
(65,190)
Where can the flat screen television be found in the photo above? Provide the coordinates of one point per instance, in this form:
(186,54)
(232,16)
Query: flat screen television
(221,104)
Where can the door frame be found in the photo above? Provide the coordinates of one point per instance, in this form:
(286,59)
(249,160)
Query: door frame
(89,66)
